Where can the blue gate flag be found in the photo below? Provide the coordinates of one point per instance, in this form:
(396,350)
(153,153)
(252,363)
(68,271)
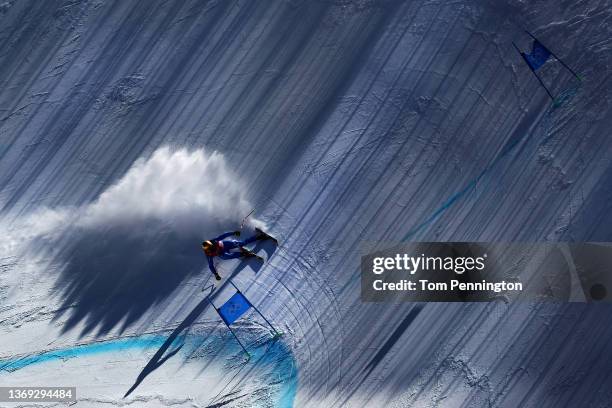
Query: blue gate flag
(539,55)
(235,307)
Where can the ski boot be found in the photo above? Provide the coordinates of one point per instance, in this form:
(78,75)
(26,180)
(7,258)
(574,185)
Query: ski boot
(217,276)
(265,236)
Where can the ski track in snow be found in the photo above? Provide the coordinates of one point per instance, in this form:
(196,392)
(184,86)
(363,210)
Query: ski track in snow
(341,122)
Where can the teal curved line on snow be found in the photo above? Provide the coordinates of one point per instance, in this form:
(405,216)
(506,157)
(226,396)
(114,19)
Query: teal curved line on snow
(274,354)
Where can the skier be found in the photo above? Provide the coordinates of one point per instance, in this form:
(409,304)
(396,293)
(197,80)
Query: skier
(222,248)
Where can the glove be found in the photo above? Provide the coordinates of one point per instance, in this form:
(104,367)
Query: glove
(237,233)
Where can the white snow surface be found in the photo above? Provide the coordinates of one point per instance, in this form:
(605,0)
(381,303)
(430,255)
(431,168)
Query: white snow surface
(131,131)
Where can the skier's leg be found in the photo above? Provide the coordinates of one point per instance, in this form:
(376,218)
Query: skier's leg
(259,236)
(249,254)
(249,240)
(231,255)
(244,253)
(231,244)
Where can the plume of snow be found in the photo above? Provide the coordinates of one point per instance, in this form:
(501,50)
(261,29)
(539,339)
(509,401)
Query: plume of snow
(192,193)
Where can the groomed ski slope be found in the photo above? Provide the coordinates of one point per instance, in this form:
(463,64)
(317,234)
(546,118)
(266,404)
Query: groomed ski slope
(131,131)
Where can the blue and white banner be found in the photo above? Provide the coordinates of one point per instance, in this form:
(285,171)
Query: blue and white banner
(235,307)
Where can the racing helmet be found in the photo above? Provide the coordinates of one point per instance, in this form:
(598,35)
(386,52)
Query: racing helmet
(209,247)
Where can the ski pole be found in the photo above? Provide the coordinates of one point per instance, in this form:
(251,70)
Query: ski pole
(245,218)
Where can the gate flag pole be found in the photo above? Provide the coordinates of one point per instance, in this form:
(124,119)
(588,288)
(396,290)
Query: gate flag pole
(534,73)
(276,332)
(558,59)
(228,326)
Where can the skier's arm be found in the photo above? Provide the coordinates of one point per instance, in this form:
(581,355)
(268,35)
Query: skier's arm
(227,234)
(211,265)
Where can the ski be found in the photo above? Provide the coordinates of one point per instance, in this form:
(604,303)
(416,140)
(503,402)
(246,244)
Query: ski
(250,254)
(266,236)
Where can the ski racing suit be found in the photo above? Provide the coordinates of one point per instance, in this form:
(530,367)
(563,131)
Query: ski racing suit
(224,247)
